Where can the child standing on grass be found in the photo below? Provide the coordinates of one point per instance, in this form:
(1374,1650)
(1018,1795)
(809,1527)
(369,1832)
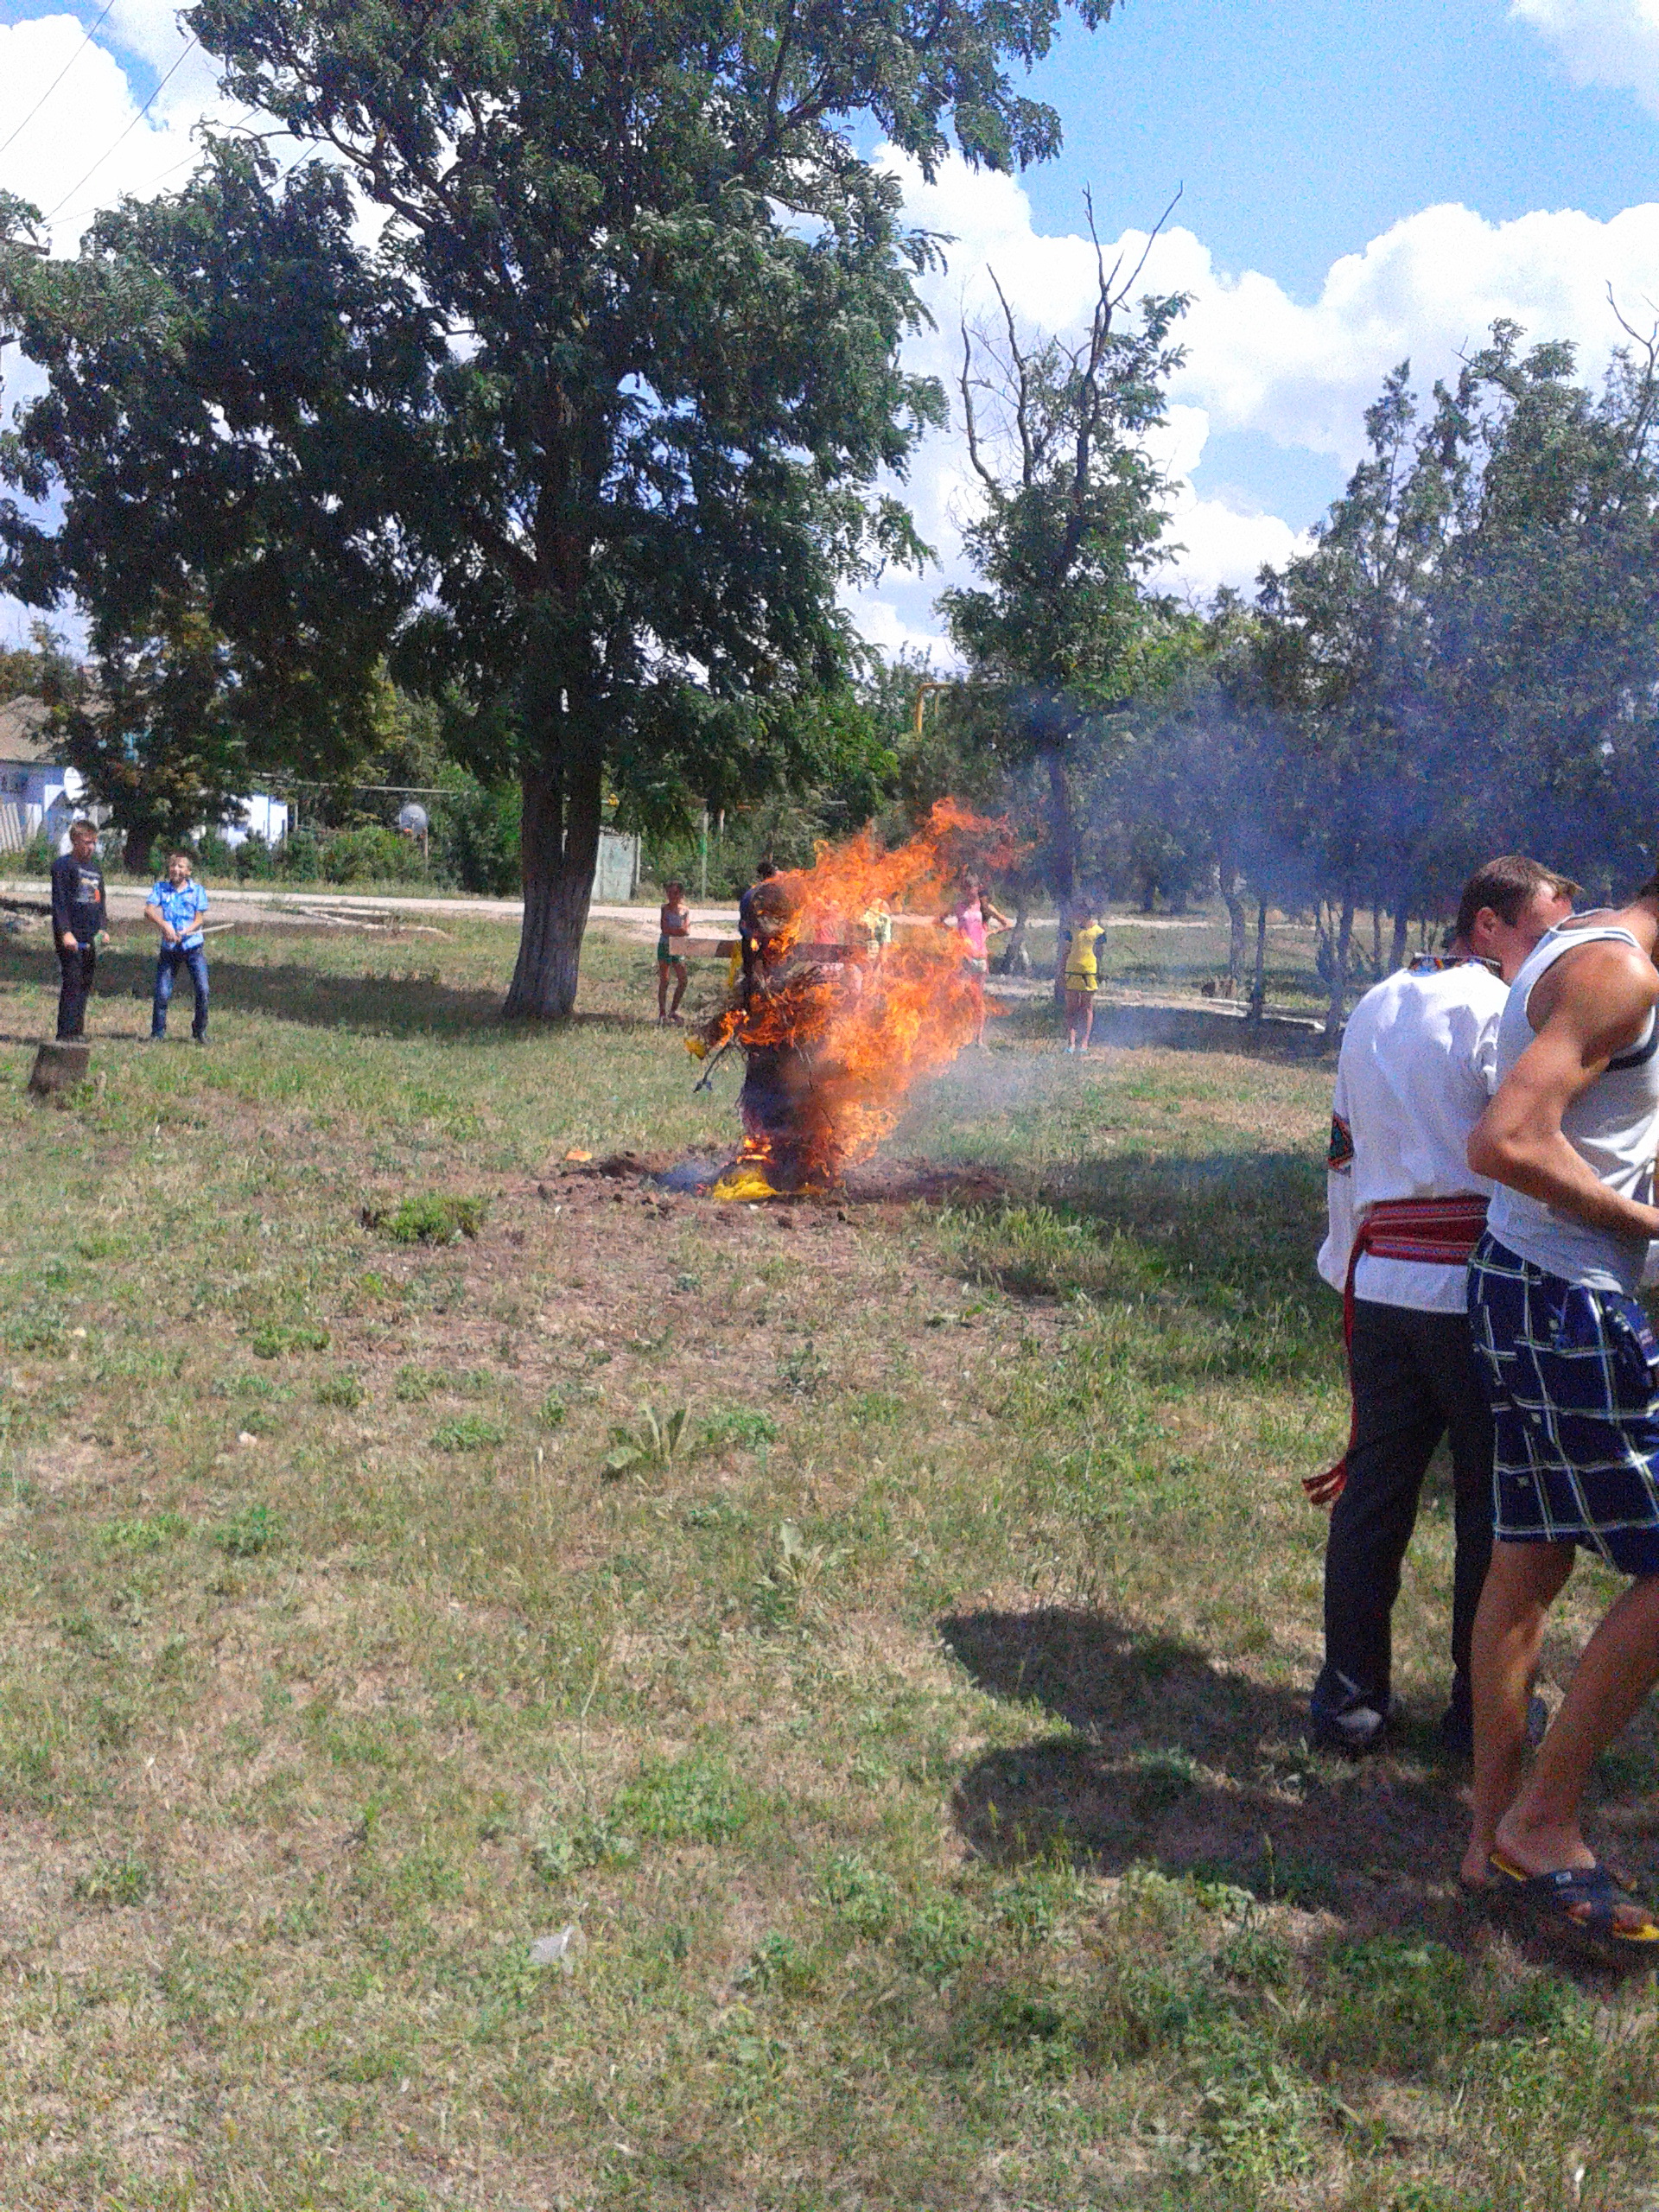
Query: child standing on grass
(176,906)
(1082,977)
(973,917)
(674,921)
(81,922)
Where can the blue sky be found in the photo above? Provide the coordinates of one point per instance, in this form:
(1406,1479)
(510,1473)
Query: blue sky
(1363,179)
(1300,131)
(1304,127)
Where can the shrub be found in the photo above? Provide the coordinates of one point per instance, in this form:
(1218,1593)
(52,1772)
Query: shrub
(740,1426)
(434,1218)
(343,1389)
(273,1338)
(256,1528)
(862,1898)
(115,1881)
(300,856)
(470,1432)
(697,1798)
(372,855)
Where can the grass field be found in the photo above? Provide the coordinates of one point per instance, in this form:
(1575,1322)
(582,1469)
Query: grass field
(908,1723)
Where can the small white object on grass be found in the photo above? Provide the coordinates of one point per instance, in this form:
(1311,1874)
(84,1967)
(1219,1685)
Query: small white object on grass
(246,1436)
(561,1950)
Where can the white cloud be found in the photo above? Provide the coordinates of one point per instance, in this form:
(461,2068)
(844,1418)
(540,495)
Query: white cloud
(149,29)
(1614,42)
(85,147)
(1297,374)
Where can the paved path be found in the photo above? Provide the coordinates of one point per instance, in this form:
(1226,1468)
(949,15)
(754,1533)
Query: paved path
(127,902)
(259,904)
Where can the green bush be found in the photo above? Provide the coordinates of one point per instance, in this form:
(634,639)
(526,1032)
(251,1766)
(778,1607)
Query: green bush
(372,855)
(434,1217)
(300,856)
(272,1340)
(475,838)
(115,1881)
(697,1798)
(470,1432)
(256,1528)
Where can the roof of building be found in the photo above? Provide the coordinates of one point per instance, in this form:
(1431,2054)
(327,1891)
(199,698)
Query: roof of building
(25,739)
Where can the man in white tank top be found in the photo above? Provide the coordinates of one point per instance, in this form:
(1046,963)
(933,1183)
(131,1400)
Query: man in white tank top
(1415,1074)
(1571,1369)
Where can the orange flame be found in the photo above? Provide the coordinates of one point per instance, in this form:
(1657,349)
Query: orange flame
(855,1021)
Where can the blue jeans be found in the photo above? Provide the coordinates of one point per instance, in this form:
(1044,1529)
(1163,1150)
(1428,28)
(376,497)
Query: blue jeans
(167,974)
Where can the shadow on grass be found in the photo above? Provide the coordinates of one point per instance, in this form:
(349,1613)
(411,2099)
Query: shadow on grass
(1291,1038)
(1175,1762)
(372,1005)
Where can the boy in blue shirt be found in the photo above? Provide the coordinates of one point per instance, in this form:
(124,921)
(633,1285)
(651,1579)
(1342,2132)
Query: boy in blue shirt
(176,906)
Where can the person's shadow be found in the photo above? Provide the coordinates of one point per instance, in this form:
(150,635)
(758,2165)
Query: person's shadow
(1170,1761)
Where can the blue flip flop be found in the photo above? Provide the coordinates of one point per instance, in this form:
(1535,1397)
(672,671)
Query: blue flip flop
(1586,1898)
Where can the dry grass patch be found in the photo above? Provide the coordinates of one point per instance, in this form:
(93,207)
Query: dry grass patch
(912,1731)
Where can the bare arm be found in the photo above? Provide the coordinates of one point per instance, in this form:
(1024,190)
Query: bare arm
(994,916)
(1593,1005)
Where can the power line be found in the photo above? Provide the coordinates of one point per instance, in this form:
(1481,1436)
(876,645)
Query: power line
(59,78)
(190,159)
(82,183)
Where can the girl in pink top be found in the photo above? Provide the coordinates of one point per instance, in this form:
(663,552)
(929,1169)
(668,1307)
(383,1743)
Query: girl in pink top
(973,917)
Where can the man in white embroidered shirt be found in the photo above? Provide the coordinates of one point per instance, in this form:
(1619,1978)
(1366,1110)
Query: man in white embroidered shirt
(1414,1075)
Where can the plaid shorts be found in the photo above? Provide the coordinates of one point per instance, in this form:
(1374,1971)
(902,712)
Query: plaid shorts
(1572,1378)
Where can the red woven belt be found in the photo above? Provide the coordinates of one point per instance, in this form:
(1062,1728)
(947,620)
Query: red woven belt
(1446,1230)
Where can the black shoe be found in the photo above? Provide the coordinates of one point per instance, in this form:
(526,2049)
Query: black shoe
(1354,1732)
(194,1039)
(1456,1733)
(1458,1728)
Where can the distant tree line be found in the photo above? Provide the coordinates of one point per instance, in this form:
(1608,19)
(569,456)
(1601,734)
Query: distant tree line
(1465,660)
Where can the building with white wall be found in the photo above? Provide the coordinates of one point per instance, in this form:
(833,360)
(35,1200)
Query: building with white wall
(40,791)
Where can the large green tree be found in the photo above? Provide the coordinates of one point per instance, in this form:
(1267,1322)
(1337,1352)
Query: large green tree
(235,403)
(650,297)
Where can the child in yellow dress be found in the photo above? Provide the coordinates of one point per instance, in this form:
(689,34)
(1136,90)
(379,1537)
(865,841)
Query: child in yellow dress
(1082,977)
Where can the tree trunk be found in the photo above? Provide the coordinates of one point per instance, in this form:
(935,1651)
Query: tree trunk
(1341,946)
(1233,899)
(1377,940)
(1259,980)
(1401,925)
(560,845)
(1064,835)
(1014,959)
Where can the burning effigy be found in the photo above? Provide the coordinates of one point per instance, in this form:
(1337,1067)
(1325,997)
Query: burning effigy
(837,1013)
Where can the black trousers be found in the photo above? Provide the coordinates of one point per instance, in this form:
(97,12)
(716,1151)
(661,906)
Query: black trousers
(76,969)
(1414,1381)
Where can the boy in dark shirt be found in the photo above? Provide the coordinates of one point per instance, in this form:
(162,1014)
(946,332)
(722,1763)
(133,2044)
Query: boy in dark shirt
(79,918)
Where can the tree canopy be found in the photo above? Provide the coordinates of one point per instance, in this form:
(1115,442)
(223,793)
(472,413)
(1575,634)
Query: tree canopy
(566,377)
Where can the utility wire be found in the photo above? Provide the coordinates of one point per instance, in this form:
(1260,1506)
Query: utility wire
(189,160)
(52,213)
(59,78)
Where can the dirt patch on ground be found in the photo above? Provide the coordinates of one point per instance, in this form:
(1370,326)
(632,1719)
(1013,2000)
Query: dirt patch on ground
(871,1182)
